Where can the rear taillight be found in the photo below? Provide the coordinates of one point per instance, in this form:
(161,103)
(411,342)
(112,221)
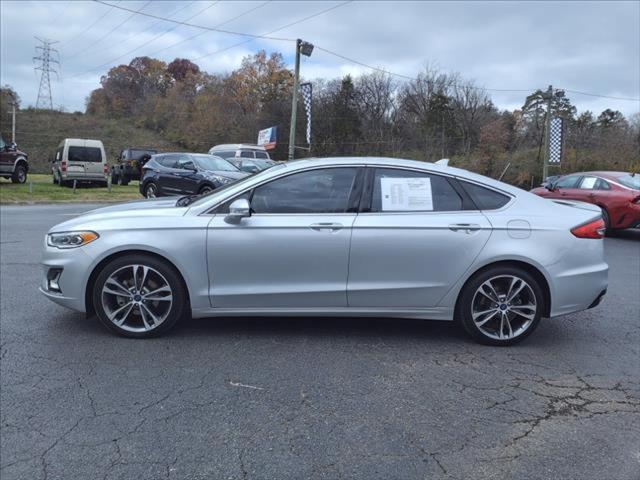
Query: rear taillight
(636,200)
(105,168)
(592,229)
(129,163)
(63,166)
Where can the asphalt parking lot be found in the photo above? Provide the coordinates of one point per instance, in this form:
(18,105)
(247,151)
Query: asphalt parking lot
(312,398)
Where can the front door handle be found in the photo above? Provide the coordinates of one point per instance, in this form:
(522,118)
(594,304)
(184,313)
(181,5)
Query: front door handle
(326,226)
(464,227)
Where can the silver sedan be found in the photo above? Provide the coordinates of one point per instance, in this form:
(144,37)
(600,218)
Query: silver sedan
(334,237)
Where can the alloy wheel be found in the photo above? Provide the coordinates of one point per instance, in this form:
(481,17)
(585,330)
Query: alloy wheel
(504,307)
(151,191)
(137,298)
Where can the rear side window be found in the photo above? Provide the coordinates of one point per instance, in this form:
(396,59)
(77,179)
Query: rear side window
(485,198)
(396,190)
(568,182)
(85,154)
(262,155)
(246,154)
(168,161)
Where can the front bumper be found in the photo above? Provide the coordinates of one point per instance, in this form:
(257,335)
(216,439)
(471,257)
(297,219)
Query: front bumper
(76,266)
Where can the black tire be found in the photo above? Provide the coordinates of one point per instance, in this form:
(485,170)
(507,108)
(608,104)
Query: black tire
(151,190)
(19,174)
(55,180)
(179,303)
(464,312)
(115,178)
(124,180)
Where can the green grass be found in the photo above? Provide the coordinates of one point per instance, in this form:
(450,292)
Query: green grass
(44,191)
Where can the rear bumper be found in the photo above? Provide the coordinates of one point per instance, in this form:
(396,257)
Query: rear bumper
(84,177)
(579,288)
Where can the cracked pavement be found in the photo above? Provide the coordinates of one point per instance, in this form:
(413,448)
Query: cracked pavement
(244,398)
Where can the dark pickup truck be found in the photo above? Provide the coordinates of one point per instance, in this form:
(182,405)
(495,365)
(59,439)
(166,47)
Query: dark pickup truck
(129,165)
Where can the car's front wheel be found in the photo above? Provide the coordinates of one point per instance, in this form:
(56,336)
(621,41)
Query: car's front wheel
(501,305)
(151,190)
(19,175)
(139,296)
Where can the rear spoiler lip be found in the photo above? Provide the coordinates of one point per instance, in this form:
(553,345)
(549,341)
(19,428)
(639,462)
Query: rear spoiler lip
(577,204)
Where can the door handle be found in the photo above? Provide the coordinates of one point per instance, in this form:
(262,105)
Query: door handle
(464,227)
(326,226)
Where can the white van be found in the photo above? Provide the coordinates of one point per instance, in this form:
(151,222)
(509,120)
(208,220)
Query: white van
(240,150)
(80,159)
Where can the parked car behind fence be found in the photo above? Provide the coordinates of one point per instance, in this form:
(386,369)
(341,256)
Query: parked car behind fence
(13,162)
(82,160)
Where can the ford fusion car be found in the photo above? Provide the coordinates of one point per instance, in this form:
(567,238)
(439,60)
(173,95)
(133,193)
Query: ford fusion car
(186,173)
(334,237)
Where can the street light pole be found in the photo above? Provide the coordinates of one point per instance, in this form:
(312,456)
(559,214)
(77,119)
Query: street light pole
(548,96)
(13,122)
(294,103)
(304,48)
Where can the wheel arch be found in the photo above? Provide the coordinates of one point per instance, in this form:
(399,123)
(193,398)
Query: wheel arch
(88,296)
(206,185)
(527,267)
(21,161)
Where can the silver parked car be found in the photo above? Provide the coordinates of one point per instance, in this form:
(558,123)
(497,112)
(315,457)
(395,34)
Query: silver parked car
(334,237)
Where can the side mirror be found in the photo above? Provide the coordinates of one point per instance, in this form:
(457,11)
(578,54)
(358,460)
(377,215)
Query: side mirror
(12,147)
(238,210)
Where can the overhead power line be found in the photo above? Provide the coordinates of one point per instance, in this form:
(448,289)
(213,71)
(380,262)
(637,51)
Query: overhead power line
(90,26)
(265,35)
(144,44)
(110,31)
(187,24)
(603,96)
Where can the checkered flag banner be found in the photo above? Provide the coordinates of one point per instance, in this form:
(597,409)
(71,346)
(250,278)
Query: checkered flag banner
(555,140)
(306,91)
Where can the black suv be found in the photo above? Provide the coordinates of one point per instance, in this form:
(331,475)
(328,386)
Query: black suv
(129,164)
(186,173)
(13,162)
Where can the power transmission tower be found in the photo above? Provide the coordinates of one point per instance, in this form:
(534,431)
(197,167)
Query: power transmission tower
(45,55)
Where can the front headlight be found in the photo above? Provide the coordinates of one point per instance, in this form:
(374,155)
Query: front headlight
(70,239)
(221,180)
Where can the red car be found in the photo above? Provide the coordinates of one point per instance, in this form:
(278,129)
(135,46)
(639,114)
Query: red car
(617,193)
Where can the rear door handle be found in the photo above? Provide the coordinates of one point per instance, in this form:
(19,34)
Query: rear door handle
(464,227)
(326,226)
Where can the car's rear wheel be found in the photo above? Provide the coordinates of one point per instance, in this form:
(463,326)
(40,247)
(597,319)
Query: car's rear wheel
(206,189)
(606,219)
(151,190)
(19,174)
(139,296)
(501,305)
(115,177)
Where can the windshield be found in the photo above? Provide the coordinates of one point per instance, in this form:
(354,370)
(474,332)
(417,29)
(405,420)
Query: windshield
(631,181)
(237,184)
(211,162)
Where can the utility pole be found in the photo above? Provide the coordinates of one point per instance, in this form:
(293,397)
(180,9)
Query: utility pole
(548,96)
(44,56)
(304,48)
(13,122)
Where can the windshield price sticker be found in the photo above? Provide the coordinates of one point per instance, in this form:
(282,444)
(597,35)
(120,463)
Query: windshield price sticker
(406,194)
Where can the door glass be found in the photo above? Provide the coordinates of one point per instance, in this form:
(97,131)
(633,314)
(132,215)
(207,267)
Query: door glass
(588,183)
(397,190)
(168,161)
(602,185)
(568,182)
(185,163)
(316,191)
(246,154)
(484,198)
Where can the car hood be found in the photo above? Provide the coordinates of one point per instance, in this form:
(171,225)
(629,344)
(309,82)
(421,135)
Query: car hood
(156,207)
(225,173)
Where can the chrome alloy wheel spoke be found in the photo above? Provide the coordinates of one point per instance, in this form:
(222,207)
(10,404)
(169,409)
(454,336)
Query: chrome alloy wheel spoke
(137,298)
(504,307)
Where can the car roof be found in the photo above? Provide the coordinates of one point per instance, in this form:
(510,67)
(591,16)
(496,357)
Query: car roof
(236,146)
(82,142)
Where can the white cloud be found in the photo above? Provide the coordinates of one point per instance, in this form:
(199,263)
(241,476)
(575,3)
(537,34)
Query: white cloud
(585,46)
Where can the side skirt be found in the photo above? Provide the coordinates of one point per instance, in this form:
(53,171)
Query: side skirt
(439,313)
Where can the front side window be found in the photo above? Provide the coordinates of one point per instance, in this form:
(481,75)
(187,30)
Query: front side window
(396,190)
(85,154)
(568,182)
(315,191)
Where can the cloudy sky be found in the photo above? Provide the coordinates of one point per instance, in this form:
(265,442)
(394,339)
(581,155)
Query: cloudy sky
(591,47)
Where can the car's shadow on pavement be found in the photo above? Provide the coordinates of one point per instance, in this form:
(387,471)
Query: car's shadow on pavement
(628,234)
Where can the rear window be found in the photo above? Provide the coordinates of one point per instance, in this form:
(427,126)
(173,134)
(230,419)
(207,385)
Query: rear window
(631,181)
(484,198)
(85,154)
(138,154)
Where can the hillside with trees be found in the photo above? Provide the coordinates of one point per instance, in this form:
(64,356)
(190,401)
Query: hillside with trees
(436,115)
